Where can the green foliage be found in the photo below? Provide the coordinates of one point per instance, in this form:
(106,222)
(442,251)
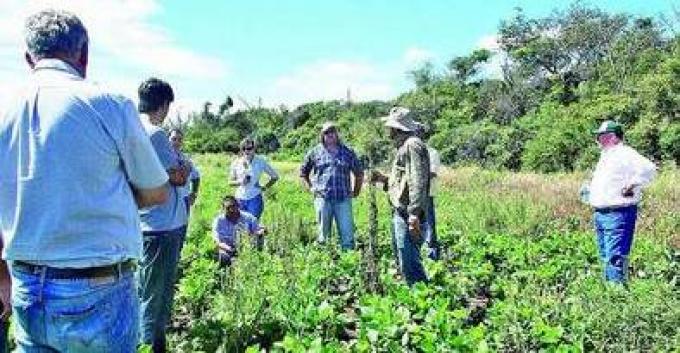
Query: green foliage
(561,75)
(465,67)
(669,141)
(520,272)
(559,136)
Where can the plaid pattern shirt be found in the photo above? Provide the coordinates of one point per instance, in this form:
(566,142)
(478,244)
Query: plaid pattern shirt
(331,171)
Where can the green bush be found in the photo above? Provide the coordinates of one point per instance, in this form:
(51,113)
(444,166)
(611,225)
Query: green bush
(669,141)
(536,117)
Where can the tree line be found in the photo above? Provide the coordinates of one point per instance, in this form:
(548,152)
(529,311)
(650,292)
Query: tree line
(559,76)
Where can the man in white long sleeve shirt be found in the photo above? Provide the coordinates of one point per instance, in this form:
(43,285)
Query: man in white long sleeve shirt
(615,191)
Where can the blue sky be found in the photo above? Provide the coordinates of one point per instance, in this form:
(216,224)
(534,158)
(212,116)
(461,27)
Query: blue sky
(279,52)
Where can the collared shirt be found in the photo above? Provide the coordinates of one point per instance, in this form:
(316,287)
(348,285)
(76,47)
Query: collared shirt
(173,213)
(68,154)
(409,180)
(619,166)
(240,167)
(435,166)
(331,171)
(228,232)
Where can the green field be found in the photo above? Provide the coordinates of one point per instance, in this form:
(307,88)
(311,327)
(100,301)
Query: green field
(520,273)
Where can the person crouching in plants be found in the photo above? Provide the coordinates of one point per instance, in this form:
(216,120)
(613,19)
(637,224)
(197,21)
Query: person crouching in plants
(614,193)
(408,187)
(228,226)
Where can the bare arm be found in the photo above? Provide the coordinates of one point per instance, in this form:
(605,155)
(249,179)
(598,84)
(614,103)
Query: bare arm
(150,197)
(273,176)
(195,184)
(358,182)
(306,183)
(271,182)
(306,169)
(377,176)
(178,176)
(5,287)
(224,246)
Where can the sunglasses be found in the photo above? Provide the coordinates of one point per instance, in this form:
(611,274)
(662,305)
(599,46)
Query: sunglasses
(248,148)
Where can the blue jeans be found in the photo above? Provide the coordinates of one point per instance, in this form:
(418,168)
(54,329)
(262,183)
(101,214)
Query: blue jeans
(187,205)
(157,276)
(407,250)
(431,232)
(225,258)
(615,228)
(254,206)
(4,326)
(74,315)
(340,211)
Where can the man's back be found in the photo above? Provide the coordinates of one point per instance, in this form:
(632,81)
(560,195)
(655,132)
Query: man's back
(67,153)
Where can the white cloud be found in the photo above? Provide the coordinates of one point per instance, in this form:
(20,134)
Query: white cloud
(415,56)
(326,79)
(494,67)
(489,42)
(330,79)
(125,47)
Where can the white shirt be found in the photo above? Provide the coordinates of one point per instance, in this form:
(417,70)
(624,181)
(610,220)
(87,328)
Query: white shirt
(619,166)
(435,166)
(240,168)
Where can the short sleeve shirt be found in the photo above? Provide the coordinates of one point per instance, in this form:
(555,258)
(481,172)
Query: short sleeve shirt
(69,152)
(331,171)
(227,232)
(173,213)
(240,168)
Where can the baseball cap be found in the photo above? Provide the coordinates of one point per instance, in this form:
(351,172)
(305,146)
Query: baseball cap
(609,126)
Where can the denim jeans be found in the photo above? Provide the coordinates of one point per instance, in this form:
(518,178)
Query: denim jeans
(254,206)
(615,228)
(226,258)
(4,326)
(431,233)
(340,211)
(187,205)
(74,315)
(407,250)
(157,276)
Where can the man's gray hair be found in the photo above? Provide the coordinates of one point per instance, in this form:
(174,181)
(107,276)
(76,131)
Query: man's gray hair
(52,32)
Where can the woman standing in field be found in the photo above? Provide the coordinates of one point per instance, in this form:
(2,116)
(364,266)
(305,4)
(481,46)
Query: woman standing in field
(245,173)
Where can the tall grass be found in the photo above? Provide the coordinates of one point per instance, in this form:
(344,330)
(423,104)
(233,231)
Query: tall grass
(520,273)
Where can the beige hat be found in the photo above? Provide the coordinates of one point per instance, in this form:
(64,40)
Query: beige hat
(400,118)
(328,125)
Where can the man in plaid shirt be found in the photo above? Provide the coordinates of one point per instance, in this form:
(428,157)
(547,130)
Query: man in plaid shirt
(331,162)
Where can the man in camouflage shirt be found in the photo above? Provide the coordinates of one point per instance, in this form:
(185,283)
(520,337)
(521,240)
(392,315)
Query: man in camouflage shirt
(408,188)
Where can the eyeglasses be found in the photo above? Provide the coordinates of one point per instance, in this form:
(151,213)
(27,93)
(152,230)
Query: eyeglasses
(250,148)
(330,131)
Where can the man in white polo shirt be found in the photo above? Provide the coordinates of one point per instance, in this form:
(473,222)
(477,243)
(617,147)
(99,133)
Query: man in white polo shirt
(615,192)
